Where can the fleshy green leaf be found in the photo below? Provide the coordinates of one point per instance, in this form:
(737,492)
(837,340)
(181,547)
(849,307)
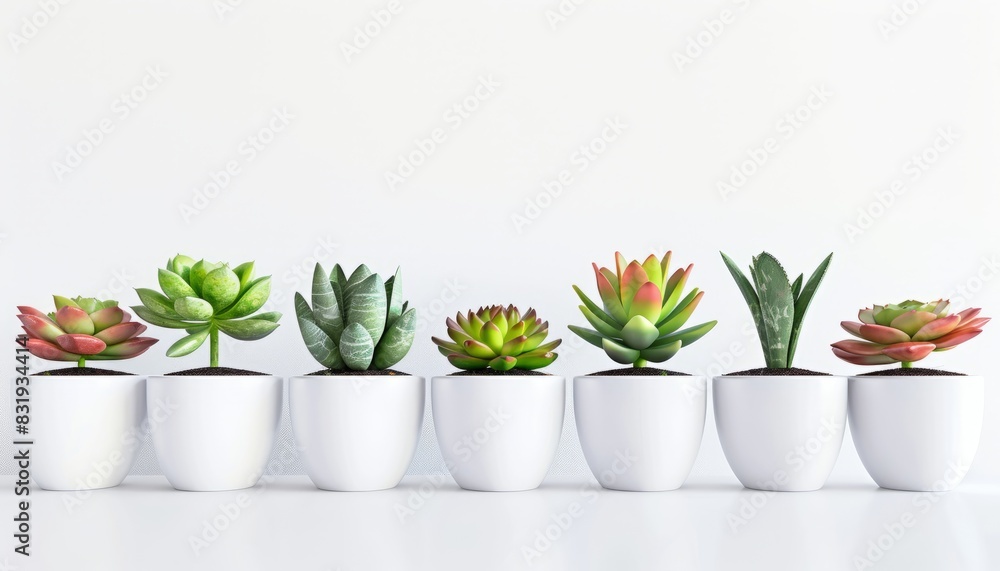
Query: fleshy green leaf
(173,285)
(188,344)
(247,329)
(802,302)
(750,296)
(394,297)
(320,345)
(396,341)
(220,288)
(367,306)
(467,363)
(503,363)
(532,362)
(639,333)
(689,335)
(253,298)
(356,346)
(199,270)
(157,302)
(160,321)
(660,352)
(590,336)
(777,308)
(619,353)
(244,271)
(193,308)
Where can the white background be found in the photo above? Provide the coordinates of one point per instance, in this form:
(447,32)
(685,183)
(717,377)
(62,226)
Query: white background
(318,189)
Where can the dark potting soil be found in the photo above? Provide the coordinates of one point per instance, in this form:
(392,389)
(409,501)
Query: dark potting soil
(637,372)
(912,372)
(495,373)
(82,372)
(216,372)
(351,372)
(766,372)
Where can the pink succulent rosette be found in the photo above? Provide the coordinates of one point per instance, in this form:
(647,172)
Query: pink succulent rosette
(906,332)
(81,329)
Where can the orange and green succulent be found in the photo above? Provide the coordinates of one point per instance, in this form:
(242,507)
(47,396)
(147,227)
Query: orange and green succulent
(642,312)
(83,328)
(498,338)
(906,332)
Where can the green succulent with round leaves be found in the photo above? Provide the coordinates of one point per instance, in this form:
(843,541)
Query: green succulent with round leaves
(205,298)
(359,322)
(498,338)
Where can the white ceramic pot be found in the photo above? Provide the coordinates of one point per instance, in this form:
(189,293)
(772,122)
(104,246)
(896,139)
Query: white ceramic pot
(640,434)
(781,433)
(356,433)
(916,433)
(219,431)
(498,433)
(86,430)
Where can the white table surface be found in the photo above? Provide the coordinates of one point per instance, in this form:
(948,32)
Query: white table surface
(288,524)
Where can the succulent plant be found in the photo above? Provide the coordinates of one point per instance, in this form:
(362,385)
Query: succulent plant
(906,332)
(358,323)
(643,311)
(83,328)
(204,298)
(498,338)
(777,305)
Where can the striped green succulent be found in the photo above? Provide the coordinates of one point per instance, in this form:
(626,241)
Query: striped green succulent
(777,305)
(204,298)
(358,323)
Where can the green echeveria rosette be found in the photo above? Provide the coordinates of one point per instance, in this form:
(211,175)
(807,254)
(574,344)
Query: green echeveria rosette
(498,338)
(83,328)
(358,323)
(643,311)
(204,299)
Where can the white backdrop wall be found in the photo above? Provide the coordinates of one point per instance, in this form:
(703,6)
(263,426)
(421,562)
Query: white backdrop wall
(542,136)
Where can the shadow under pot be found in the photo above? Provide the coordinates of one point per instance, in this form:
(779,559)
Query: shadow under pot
(640,433)
(86,429)
(356,432)
(498,433)
(916,433)
(781,433)
(217,431)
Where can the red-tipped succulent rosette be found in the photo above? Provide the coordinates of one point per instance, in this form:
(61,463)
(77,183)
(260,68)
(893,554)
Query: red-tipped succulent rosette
(906,332)
(82,329)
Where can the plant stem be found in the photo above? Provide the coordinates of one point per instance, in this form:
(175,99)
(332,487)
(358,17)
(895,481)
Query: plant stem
(907,364)
(213,345)
(639,363)
(82,362)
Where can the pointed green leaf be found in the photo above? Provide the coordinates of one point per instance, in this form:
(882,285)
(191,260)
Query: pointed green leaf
(777,307)
(590,336)
(156,319)
(467,363)
(396,342)
(659,353)
(247,329)
(750,296)
(199,270)
(188,344)
(639,333)
(532,362)
(253,298)
(244,271)
(174,286)
(157,302)
(503,363)
(320,345)
(802,302)
(394,296)
(596,309)
(62,302)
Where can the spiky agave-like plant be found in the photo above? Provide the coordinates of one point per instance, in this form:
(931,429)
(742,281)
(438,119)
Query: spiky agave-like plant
(83,328)
(907,332)
(643,311)
(498,338)
(204,298)
(358,323)
(777,305)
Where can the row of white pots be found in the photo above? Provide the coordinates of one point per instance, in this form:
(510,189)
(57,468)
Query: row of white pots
(500,433)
